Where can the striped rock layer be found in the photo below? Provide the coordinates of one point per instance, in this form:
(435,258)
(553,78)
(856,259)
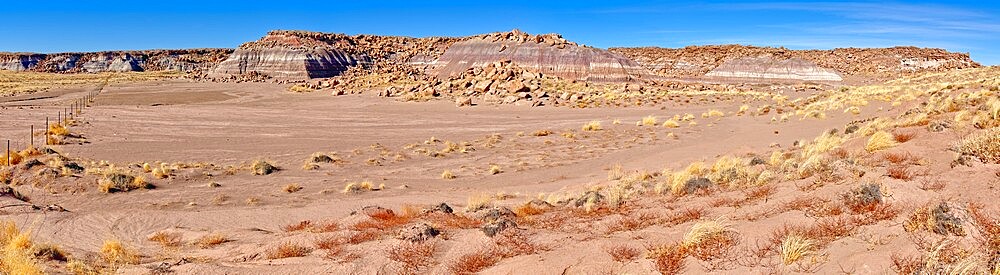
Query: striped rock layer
(768,68)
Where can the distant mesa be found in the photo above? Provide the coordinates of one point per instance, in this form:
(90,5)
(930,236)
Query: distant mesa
(189,60)
(548,54)
(768,68)
(862,62)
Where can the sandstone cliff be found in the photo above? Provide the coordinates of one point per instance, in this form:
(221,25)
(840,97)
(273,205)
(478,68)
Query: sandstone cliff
(866,62)
(548,54)
(189,60)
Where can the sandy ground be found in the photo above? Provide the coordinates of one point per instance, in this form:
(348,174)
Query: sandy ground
(225,127)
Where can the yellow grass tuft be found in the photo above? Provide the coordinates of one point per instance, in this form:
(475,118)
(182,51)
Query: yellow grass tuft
(288,250)
(16,251)
(495,169)
(709,239)
(881,140)
(478,202)
(211,240)
(984,145)
(447,175)
(671,124)
(616,172)
(357,187)
(592,126)
(292,188)
(115,254)
(795,248)
(649,120)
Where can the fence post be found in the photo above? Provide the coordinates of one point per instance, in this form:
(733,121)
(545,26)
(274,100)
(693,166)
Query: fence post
(46,131)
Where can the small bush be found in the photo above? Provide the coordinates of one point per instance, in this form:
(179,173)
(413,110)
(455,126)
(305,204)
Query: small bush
(288,250)
(495,169)
(903,137)
(592,126)
(649,121)
(121,182)
(211,240)
(984,145)
(292,188)
(413,255)
(116,254)
(709,240)
(900,172)
(166,239)
(671,124)
(864,198)
(447,175)
(622,253)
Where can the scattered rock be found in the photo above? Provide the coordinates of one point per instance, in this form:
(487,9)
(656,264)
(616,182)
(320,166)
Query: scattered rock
(442,208)
(418,233)
(260,168)
(463,101)
(495,227)
(695,184)
(591,196)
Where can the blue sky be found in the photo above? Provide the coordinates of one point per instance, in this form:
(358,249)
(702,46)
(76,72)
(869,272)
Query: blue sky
(60,26)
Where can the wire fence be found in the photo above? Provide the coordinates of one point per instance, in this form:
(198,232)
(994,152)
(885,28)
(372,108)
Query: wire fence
(63,118)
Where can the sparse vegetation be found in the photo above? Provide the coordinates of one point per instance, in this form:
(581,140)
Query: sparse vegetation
(288,250)
(592,126)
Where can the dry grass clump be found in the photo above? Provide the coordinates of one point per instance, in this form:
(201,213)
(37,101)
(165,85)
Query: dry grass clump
(616,172)
(166,239)
(261,167)
(301,88)
(121,182)
(622,253)
(299,226)
(671,124)
(211,240)
(938,219)
(903,137)
(115,254)
(709,240)
(447,174)
(984,145)
(495,169)
(358,187)
(592,126)
(900,172)
(383,219)
(288,250)
(669,259)
(649,121)
(795,248)
(542,133)
(292,188)
(16,251)
(507,244)
(413,255)
(881,140)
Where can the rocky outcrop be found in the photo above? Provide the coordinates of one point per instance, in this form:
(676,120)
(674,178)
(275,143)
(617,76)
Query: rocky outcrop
(190,60)
(865,62)
(287,63)
(768,68)
(300,55)
(112,63)
(548,54)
